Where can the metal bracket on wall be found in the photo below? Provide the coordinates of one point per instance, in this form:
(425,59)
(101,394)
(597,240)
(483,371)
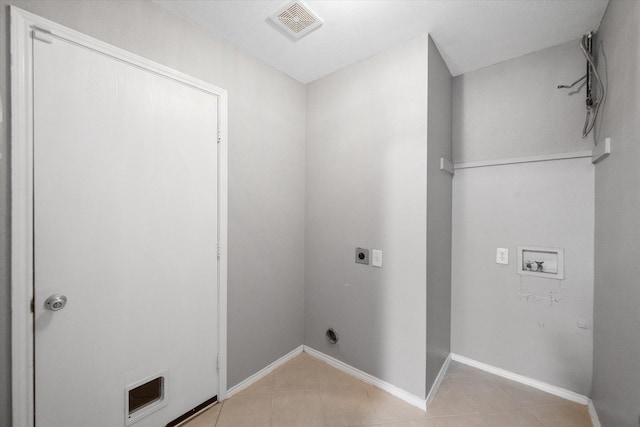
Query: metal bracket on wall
(601,151)
(447,166)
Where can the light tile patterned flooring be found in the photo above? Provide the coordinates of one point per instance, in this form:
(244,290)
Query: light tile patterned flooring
(306,392)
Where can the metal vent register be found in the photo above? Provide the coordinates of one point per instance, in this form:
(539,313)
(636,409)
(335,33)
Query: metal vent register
(295,19)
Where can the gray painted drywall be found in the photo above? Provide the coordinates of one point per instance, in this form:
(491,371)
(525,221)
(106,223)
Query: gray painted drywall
(616,374)
(266,172)
(508,320)
(439,125)
(5,230)
(366,186)
(508,110)
(513,109)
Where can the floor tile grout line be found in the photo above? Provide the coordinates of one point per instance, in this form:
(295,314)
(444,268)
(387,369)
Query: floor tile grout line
(324,420)
(215,422)
(538,418)
(273,397)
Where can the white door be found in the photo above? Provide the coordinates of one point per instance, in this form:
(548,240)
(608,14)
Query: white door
(126,228)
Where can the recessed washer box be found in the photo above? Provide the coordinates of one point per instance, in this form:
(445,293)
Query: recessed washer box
(541,262)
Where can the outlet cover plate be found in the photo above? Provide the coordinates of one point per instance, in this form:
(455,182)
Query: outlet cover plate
(502,256)
(376,258)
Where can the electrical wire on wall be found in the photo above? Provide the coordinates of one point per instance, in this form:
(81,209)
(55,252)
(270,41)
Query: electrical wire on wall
(593,105)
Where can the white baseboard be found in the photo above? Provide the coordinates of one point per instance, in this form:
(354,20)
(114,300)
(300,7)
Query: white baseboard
(551,389)
(438,381)
(264,372)
(383,385)
(594,415)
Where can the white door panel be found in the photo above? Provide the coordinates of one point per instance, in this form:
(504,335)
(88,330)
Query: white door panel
(125,225)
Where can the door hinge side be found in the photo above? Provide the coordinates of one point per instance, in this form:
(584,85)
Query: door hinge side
(32,305)
(219,250)
(218,363)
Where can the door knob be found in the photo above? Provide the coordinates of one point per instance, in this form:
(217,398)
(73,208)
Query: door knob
(56,302)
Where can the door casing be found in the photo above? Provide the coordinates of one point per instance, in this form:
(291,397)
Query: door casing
(22,322)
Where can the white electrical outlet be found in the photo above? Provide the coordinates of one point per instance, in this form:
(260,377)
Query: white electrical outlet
(502,256)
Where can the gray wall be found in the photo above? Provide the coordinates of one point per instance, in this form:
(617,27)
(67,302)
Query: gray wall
(438,215)
(616,376)
(5,230)
(513,109)
(366,186)
(505,319)
(266,172)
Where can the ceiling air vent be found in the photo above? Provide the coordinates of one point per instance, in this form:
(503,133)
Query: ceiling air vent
(295,19)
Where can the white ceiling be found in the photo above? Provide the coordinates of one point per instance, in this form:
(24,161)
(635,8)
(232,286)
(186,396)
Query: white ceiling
(470,34)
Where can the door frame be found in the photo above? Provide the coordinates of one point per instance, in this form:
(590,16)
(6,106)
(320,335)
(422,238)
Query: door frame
(25,26)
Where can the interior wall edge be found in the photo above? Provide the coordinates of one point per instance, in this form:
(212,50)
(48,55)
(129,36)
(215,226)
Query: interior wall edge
(616,367)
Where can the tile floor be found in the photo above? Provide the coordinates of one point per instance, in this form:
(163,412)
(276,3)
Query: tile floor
(306,392)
